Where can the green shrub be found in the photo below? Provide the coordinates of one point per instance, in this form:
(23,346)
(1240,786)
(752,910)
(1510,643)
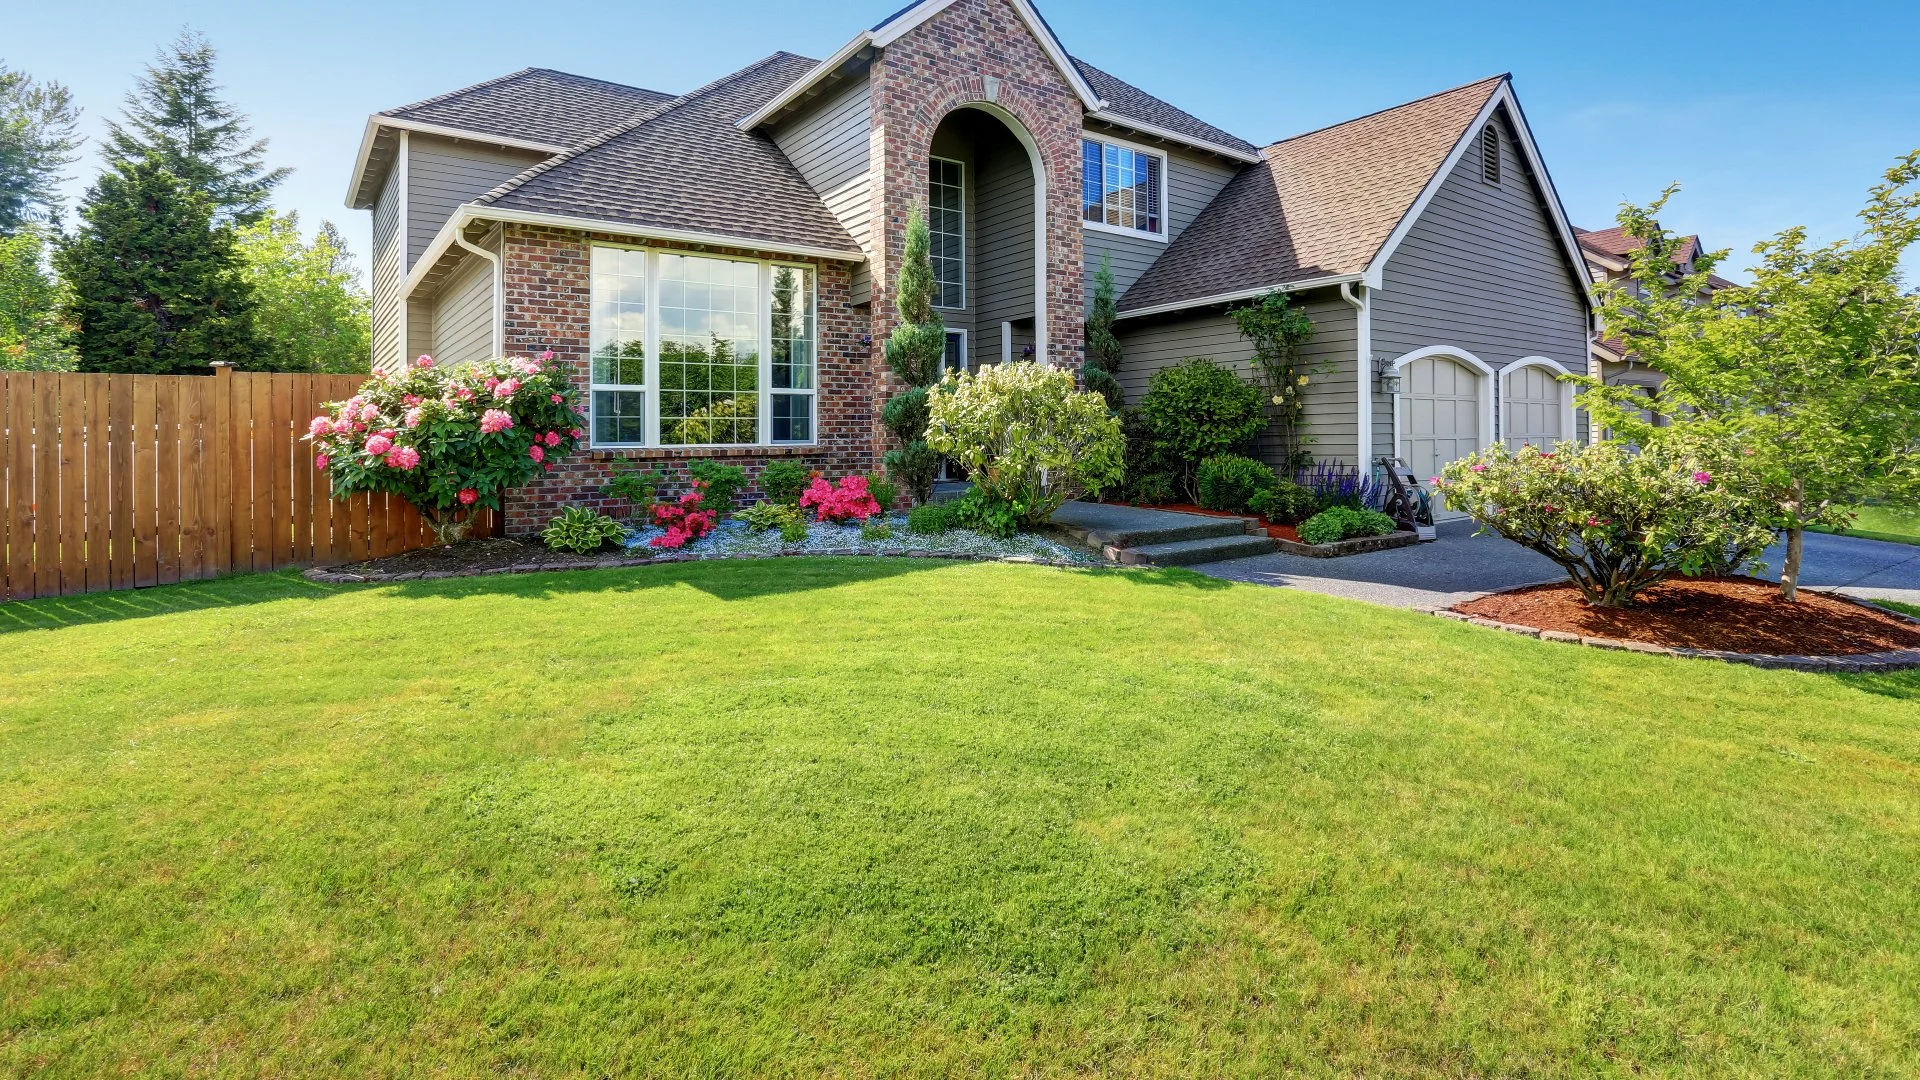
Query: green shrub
(914,466)
(1153,489)
(770,515)
(1229,482)
(876,530)
(1287,503)
(723,483)
(906,415)
(931,519)
(1199,410)
(1338,523)
(783,481)
(639,486)
(583,531)
(1027,436)
(794,532)
(988,513)
(883,491)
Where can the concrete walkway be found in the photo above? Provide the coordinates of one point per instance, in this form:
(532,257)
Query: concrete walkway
(1461,566)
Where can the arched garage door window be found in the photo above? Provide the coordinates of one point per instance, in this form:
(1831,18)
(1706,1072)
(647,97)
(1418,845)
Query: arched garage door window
(1538,408)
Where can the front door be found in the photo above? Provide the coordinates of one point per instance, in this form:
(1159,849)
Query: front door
(1439,417)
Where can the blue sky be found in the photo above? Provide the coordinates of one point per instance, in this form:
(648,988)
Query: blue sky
(1770,114)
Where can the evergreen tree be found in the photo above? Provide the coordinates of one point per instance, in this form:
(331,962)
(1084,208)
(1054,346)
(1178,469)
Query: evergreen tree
(915,353)
(39,131)
(155,288)
(177,115)
(1103,348)
(310,312)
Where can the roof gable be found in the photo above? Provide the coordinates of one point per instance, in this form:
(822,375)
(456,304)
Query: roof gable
(1129,105)
(535,105)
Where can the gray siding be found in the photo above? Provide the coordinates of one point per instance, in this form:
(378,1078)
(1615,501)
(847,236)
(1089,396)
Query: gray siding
(384,268)
(1332,394)
(442,174)
(831,146)
(1002,243)
(1482,270)
(1192,183)
(463,314)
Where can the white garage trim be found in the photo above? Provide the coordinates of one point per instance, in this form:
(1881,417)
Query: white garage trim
(1567,428)
(1488,377)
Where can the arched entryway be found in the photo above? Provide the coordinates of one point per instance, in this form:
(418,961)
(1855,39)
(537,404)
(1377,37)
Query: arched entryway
(986,207)
(1444,410)
(1538,408)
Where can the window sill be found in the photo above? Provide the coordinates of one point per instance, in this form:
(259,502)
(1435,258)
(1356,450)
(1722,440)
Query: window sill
(680,453)
(1118,230)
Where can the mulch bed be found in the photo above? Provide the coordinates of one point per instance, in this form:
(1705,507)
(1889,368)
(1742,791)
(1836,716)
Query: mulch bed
(1741,615)
(1278,532)
(473,556)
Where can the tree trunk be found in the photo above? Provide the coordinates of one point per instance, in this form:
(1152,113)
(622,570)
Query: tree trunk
(1796,546)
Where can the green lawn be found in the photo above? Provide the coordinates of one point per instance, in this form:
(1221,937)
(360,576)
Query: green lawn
(1901,525)
(896,818)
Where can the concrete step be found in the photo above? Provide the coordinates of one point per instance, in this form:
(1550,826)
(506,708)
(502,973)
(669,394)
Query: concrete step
(1194,552)
(1098,526)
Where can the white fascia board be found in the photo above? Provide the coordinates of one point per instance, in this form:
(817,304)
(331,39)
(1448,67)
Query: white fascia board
(472,212)
(1241,294)
(1169,135)
(1503,95)
(805,83)
(376,123)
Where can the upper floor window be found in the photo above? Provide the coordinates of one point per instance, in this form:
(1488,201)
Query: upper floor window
(947,221)
(1122,187)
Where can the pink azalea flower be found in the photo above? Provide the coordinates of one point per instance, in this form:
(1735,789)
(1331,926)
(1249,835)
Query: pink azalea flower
(577,433)
(537,452)
(1478,468)
(378,444)
(507,389)
(320,426)
(468,496)
(548,355)
(403,458)
(320,461)
(493,421)
(413,416)
(1703,478)
(556,399)
(552,439)
(411,399)
(370,413)
(424,362)
(493,381)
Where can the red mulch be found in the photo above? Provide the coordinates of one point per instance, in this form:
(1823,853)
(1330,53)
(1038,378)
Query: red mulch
(1730,614)
(1278,532)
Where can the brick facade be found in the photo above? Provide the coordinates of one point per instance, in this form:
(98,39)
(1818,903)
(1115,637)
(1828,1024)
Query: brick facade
(548,308)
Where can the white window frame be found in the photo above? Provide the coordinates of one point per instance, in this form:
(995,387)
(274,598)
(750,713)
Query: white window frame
(1166,184)
(764,306)
(964,276)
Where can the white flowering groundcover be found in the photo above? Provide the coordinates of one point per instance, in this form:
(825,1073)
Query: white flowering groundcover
(734,537)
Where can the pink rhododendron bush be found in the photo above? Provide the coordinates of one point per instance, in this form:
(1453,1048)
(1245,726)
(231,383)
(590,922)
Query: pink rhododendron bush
(685,520)
(450,439)
(850,501)
(1616,521)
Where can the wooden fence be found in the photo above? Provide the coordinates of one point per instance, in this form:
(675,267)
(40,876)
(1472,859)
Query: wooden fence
(125,481)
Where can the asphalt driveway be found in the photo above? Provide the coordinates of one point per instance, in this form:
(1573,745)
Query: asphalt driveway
(1460,566)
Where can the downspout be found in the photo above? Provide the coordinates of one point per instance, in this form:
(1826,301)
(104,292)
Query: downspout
(1363,374)
(498,278)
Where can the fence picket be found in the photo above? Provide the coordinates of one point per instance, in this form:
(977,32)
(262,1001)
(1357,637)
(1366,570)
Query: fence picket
(146,485)
(46,484)
(99,558)
(120,478)
(166,420)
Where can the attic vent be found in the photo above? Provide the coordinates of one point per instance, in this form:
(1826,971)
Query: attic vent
(1490,154)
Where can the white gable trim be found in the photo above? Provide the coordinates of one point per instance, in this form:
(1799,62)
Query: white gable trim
(886,35)
(1502,95)
(376,123)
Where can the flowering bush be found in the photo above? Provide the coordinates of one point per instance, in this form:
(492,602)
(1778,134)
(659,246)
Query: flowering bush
(449,439)
(687,519)
(851,501)
(1616,521)
(1027,436)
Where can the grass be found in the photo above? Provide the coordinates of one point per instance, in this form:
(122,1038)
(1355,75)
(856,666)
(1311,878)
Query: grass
(927,819)
(1897,524)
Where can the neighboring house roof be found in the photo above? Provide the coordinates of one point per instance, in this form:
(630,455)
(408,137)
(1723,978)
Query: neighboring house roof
(1124,101)
(1323,204)
(686,167)
(534,105)
(1618,247)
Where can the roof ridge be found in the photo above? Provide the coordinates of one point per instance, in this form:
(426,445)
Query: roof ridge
(437,98)
(596,79)
(631,125)
(1505,75)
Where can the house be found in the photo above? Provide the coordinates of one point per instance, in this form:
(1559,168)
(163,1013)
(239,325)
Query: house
(1609,254)
(715,266)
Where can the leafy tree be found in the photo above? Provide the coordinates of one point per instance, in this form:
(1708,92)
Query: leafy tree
(1277,330)
(176,114)
(915,352)
(1805,383)
(1030,439)
(39,131)
(155,288)
(32,337)
(1103,348)
(310,312)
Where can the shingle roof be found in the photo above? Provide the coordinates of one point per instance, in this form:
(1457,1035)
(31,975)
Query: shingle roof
(1322,204)
(535,105)
(1615,243)
(1127,100)
(687,167)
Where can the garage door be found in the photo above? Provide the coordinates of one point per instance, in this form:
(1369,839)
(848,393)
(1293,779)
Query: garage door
(1535,409)
(1439,415)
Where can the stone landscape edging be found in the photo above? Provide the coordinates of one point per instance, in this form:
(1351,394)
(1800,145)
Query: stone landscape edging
(1890,660)
(1358,546)
(334,575)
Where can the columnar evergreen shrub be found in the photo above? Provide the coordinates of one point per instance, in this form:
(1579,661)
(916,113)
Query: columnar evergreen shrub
(1197,410)
(1027,436)
(1102,368)
(915,353)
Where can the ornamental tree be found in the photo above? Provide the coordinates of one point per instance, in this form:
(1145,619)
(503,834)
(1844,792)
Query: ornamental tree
(915,352)
(1104,353)
(1810,376)
(1277,330)
(1618,522)
(1027,435)
(450,440)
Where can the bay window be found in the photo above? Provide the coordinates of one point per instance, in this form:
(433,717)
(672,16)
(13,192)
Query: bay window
(699,350)
(1122,187)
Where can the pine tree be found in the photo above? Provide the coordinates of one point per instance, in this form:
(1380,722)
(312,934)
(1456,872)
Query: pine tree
(1103,348)
(177,115)
(155,287)
(39,131)
(915,352)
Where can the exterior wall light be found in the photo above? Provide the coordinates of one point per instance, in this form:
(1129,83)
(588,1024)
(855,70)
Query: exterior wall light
(1387,374)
